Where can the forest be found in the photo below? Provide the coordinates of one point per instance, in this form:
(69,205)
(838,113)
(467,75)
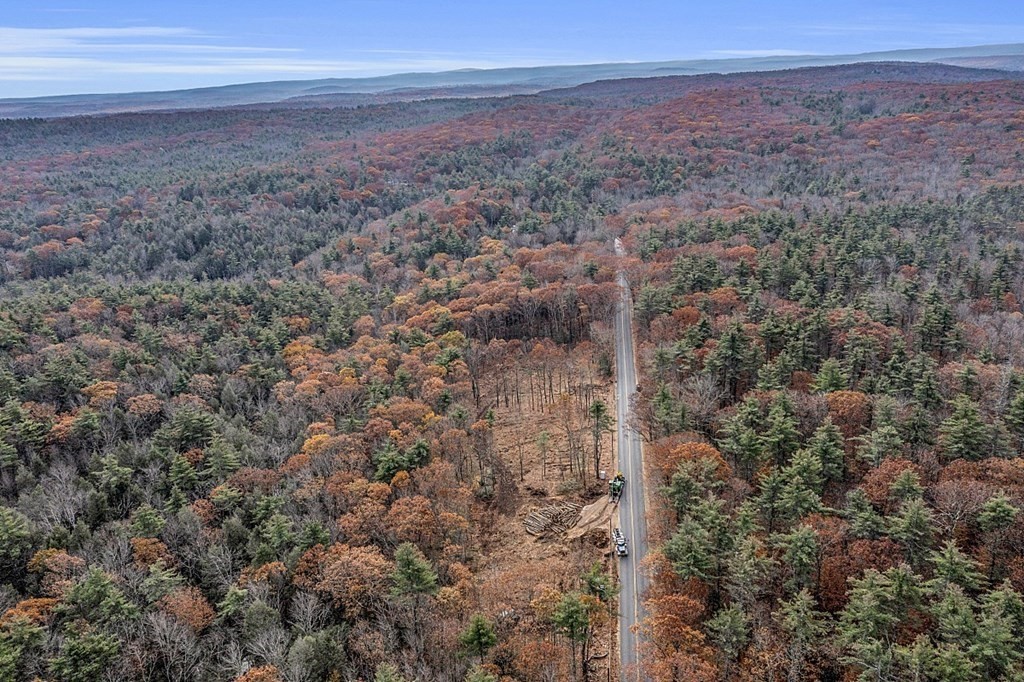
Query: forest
(278,385)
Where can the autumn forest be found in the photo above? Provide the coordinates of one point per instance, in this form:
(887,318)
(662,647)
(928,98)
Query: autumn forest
(280,385)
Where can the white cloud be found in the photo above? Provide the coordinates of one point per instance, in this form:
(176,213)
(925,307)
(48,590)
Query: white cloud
(984,31)
(760,53)
(35,40)
(117,58)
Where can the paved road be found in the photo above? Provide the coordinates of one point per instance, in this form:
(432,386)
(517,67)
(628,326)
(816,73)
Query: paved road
(632,518)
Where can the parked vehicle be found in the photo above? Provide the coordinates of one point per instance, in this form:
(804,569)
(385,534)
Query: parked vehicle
(619,541)
(615,487)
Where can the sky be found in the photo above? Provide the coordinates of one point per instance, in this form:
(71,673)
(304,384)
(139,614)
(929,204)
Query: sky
(51,47)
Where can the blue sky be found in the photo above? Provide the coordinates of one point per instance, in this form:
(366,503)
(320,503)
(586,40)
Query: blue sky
(73,46)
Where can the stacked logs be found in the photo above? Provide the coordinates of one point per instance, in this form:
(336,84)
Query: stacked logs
(556,518)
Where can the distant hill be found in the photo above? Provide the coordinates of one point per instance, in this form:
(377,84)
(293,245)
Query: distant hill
(477,82)
(630,91)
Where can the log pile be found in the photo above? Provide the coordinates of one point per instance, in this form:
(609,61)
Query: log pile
(556,518)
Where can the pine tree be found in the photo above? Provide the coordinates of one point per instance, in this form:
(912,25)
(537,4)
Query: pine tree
(221,461)
(799,555)
(964,435)
(877,604)
(912,528)
(827,445)
(865,522)
(884,441)
(781,437)
(830,377)
(733,359)
(691,482)
(998,643)
(907,486)
(599,584)
(277,537)
(953,567)
(728,629)
(1015,415)
(85,656)
(997,516)
(15,540)
(740,441)
(572,618)
(954,616)
(806,466)
(797,499)
(478,674)
(770,498)
(96,599)
(478,637)
(146,522)
(804,628)
(689,550)
(413,573)
(748,570)
(950,663)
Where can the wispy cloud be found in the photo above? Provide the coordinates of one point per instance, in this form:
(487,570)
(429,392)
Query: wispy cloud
(41,40)
(908,28)
(87,55)
(760,53)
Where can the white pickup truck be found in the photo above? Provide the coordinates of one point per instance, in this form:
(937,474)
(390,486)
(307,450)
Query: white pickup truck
(620,543)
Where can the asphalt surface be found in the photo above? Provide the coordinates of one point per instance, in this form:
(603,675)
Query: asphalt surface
(632,510)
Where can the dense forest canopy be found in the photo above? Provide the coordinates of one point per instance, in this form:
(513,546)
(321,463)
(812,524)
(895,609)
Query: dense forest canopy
(277,385)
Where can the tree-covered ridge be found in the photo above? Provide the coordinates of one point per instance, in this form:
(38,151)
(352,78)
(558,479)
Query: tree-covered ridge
(267,379)
(835,413)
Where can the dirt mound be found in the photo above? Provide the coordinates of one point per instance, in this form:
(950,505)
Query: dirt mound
(593,516)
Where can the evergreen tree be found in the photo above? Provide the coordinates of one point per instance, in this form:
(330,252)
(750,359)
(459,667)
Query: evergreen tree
(912,528)
(953,567)
(865,522)
(1015,417)
(480,675)
(478,637)
(831,377)
(413,573)
(733,360)
(599,584)
(85,656)
(826,444)
(884,441)
(797,499)
(806,466)
(781,437)
(692,481)
(221,461)
(572,619)
(950,663)
(740,441)
(877,605)
(96,599)
(964,435)
(15,540)
(906,486)
(954,616)
(769,501)
(748,570)
(998,645)
(996,517)
(804,628)
(800,556)
(728,629)
(146,522)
